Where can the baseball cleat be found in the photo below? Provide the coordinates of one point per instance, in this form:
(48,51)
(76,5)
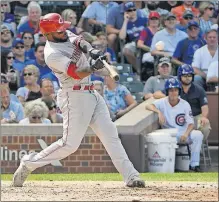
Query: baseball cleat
(136,182)
(20,175)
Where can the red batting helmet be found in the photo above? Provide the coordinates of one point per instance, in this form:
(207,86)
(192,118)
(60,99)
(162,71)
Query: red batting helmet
(53,22)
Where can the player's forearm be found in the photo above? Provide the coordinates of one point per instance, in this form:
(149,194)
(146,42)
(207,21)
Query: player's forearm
(205,111)
(189,129)
(151,107)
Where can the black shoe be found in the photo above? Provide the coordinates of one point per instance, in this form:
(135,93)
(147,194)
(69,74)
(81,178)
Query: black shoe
(195,169)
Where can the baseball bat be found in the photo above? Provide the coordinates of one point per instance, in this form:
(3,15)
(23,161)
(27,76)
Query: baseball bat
(113,74)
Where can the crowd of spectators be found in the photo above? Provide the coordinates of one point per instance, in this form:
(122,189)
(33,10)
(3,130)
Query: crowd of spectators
(167,34)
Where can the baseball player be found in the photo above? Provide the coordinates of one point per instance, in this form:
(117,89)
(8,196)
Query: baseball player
(81,105)
(174,112)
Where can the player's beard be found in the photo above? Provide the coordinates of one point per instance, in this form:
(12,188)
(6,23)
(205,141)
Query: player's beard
(186,83)
(60,40)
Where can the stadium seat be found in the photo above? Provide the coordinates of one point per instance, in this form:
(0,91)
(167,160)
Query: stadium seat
(134,87)
(128,78)
(138,96)
(123,68)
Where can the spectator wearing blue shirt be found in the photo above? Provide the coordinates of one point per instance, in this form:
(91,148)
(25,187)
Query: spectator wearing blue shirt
(186,48)
(118,98)
(115,18)
(5,83)
(96,12)
(188,16)
(170,36)
(6,15)
(28,38)
(40,60)
(32,24)
(146,36)
(101,37)
(12,112)
(206,12)
(131,28)
(7,35)
(19,52)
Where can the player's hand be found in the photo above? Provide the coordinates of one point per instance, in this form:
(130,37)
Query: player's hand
(161,118)
(98,63)
(204,121)
(95,54)
(183,138)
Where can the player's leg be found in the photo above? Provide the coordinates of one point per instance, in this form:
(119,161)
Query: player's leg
(75,124)
(107,132)
(196,137)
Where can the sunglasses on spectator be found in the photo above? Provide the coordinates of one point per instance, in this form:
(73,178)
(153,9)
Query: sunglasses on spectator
(36,117)
(4,5)
(5,32)
(52,107)
(188,17)
(19,47)
(131,10)
(26,37)
(28,74)
(211,8)
(40,35)
(193,28)
(10,57)
(187,75)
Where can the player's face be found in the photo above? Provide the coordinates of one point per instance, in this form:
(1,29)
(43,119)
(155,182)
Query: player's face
(173,94)
(60,36)
(186,79)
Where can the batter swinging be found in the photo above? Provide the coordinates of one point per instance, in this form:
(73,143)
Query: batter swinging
(81,106)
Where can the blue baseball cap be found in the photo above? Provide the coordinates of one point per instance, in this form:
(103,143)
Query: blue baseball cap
(17,41)
(128,6)
(193,23)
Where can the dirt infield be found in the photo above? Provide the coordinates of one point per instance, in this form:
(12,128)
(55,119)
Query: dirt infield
(109,191)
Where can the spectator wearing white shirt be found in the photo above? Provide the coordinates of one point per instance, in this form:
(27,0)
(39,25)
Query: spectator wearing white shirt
(204,56)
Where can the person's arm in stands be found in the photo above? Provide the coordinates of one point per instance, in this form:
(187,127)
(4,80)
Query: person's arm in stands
(213,80)
(142,39)
(131,104)
(196,64)
(94,22)
(148,89)
(212,75)
(123,31)
(159,94)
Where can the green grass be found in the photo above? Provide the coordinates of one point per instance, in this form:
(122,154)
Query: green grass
(198,177)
